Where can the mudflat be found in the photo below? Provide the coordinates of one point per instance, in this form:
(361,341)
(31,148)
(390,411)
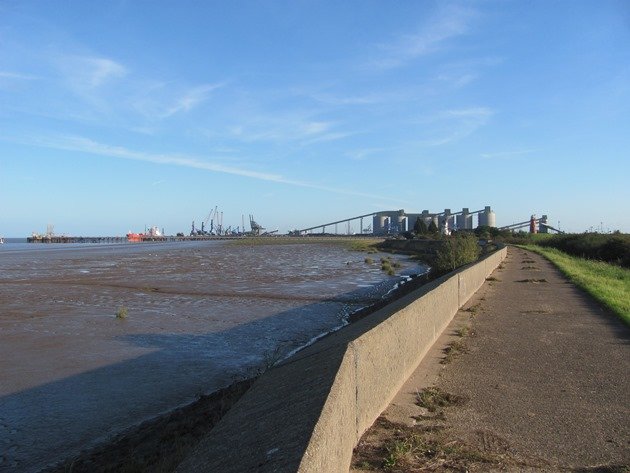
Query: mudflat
(532,375)
(200,315)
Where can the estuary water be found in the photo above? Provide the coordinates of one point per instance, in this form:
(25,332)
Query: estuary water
(200,315)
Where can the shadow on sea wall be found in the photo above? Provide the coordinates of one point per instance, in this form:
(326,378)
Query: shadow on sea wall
(308,413)
(55,421)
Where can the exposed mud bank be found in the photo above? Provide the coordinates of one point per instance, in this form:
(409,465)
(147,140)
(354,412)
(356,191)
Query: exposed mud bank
(160,444)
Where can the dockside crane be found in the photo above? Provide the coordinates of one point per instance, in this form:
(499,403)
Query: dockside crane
(210,219)
(256,228)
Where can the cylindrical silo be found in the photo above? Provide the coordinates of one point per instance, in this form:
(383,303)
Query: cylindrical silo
(411,221)
(487,218)
(377,226)
(542,226)
(483,219)
(466,219)
(448,218)
(491,218)
(459,222)
(402,223)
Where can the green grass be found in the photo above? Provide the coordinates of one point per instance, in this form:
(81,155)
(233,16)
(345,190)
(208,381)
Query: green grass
(607,283)
(367,245)
(462,331)
(363,244)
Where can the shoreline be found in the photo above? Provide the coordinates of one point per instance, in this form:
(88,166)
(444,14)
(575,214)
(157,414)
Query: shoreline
(157,444)
(161,443)
(95,376)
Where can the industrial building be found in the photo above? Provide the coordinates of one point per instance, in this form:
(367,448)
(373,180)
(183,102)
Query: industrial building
(396,221)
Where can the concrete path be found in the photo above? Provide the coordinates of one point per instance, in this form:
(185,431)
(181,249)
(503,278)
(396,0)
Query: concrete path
(545,374)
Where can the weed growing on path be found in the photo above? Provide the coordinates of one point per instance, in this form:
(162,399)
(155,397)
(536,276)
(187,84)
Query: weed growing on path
(433,398)
(462,331)
(453,350)
(473,309)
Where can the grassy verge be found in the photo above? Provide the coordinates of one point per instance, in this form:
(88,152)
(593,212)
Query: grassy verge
(607,283)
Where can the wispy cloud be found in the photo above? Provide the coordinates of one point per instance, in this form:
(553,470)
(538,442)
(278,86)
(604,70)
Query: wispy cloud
(362,154)
(86,145)
(367,99)
(88,77)
(449,22)
(16,76)
(453,125)
(507,154)
(458,80)
(460,73)
(103,70)
(160,100)
(475,114)
(289,127)
(89,72)
(191,98)
(315,128)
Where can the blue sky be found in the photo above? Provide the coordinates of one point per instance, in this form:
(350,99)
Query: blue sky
(119,114)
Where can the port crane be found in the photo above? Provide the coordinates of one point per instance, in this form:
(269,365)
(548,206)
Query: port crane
(213,225)
(256,228)
(213,216)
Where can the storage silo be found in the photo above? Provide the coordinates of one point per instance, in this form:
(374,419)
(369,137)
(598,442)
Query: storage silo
(492,219)
(377,225)
(449,219)
(487,217)
(542,226)
(411,221)
(464,220)
(383,222)
(402,223)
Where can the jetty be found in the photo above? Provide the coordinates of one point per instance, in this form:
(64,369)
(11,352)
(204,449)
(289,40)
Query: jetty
(124,239)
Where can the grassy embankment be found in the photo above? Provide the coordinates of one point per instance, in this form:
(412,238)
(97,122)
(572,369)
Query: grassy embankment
(356,244)
(607,283)
(598,263)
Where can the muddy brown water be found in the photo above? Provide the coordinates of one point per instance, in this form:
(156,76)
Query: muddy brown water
(199,316)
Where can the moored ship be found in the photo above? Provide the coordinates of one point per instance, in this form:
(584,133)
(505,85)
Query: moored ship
(153,234)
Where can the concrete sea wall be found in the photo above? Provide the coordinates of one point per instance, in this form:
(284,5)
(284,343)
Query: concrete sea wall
(308,413)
